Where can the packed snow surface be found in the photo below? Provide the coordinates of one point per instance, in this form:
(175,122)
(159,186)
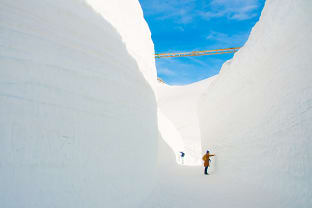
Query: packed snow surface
(78,119)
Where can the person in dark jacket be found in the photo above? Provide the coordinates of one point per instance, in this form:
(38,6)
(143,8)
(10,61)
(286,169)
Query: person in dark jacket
(206,159)
(182,157)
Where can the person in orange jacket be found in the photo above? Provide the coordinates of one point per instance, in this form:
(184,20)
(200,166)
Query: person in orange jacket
(207,160)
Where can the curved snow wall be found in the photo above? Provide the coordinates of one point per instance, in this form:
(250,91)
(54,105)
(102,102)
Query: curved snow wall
(257,115)
(78,120)
(178,119)
(127,18)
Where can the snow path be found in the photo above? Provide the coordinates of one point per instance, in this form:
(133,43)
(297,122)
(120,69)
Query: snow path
(187,186)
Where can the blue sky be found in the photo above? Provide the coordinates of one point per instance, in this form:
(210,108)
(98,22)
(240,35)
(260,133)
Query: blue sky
(188,25)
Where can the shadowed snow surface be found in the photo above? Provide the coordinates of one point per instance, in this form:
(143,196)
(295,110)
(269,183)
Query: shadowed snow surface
(78,120)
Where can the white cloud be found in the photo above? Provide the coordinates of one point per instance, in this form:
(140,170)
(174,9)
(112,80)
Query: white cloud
(187,70)
(232,9)
(165,71)
(180,10)
(184,11)
(179,28)
(225,40)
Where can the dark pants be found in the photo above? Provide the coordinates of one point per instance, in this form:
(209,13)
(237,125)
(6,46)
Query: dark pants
(206,170)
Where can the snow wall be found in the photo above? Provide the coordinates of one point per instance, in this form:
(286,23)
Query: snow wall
(178,119)
(127,18)
(257,115)
(78,120)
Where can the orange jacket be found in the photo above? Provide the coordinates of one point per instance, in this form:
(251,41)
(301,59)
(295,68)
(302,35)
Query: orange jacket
(206,159)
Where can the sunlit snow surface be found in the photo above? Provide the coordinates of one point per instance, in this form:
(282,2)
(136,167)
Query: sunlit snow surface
(178,119)
(257,115)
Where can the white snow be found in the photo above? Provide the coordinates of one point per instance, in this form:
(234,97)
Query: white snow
(78,125)
(179,105)
(78,112)
(255,116)
(170,135)
(127,18)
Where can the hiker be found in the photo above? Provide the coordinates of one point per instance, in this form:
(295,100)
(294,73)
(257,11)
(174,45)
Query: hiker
(207,160)
(182,156)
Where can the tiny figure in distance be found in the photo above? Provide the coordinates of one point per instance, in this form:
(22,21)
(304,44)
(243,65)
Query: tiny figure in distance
(182,157)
